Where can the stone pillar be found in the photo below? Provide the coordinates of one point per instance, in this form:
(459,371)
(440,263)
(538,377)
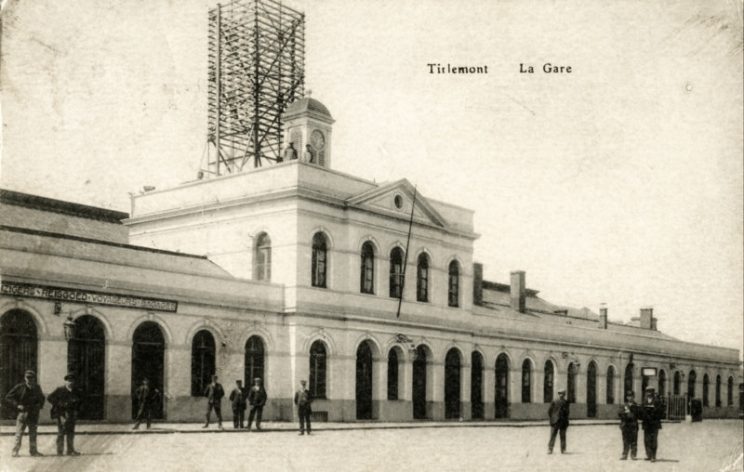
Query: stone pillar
(379,385)
(489,395)
(538,384)
(515,385)
(465,406)
(435,390)
(580,383)
(118,384)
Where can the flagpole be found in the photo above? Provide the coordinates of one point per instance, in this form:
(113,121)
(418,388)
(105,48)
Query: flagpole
(405,255)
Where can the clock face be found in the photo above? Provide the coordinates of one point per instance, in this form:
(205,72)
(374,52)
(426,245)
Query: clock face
(317,139)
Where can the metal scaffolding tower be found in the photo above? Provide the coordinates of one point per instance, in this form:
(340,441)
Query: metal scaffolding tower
(256,68)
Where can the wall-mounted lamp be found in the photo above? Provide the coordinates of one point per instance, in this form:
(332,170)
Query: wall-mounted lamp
(69,326)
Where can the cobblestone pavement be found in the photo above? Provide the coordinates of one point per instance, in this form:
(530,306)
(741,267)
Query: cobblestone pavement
(707,446)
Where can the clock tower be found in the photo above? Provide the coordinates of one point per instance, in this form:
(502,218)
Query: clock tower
(307,125)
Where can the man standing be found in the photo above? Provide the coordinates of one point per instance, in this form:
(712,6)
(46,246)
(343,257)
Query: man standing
(65,402)
(257,399)
(558,414)
(629,414)
(146,398)
(26,399)
(303,399)
(237,400)
(652,412)
(290,153)
(214,393)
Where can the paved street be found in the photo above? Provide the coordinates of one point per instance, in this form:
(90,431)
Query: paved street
(708,446)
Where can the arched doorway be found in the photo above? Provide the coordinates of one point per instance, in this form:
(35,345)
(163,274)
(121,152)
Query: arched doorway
(452,384)
(86,357)
(254,365)
(571,383)
(591,390)
(628,382)
(364,382)
(476,385)
(148,356)
(203,362)
(419,383)
(18,351)
(501,402)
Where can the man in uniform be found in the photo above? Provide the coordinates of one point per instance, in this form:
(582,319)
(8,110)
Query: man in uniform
(26,399)
(629,414)
(237,400)
(558,415)
(146,398)
(65,402)
(303,399)
(257,399)
(652,412)
(214,393)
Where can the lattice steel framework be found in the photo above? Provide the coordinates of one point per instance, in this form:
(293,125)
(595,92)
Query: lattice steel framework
(256,68)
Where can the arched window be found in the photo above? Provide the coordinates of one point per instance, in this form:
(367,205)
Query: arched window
(718,390)
(262,257)
(320,260)
(392,379)
(422,278)
(548,382)
(691,379)
(610,385)
(628,381)
(453,291)
(254,361)
(202,362)
(318,370)
(368,268)
(706,384)
(396,272)
(677,383)
(571,383)
(662,383)
(18,352)
(526,381)
(730,393)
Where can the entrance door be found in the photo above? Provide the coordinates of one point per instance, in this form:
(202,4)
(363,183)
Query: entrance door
(86,358)
(476,385)
(419,384)
(148,355)
(452,384)
(591,390)
(18,352)
(364,382)
(502,387)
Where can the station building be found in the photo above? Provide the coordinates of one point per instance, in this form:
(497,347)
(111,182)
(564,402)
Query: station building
(294,271)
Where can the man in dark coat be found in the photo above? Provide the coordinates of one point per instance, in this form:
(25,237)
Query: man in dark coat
(257,399)
(629,414)
(237,400)
(290,153)
(65,402)
(26,399)
(652,412)
(146,398)
(214,393)
(303,399)
(558,415)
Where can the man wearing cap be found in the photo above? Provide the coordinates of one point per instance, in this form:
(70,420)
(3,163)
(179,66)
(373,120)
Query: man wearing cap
(629,414)
(558,415)
(237,400)
(214,393)
(257,398)
(146,398)
(652,412)
(303,399)
(65,402)
(26,399)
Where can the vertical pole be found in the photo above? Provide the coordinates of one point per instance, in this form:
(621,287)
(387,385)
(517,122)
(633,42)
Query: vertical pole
(405,256)
(218,78)
(256,82)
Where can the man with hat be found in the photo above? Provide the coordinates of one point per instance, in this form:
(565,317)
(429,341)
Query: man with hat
(257,398)
(652,412)
(629,414)
(26,399)
(214,393)
(290,153)
(558,415)
(303,399)
(65,402)
(147,398)
(237,399)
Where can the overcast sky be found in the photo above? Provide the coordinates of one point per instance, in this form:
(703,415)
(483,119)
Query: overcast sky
(620,182)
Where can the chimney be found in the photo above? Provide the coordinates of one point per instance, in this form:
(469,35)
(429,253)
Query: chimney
(647,318)
(477,283)
(518,291)
(602,316)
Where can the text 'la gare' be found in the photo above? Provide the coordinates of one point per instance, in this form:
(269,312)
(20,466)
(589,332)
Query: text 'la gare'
(547,68)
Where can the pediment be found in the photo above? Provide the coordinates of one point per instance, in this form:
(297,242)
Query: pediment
(396,199)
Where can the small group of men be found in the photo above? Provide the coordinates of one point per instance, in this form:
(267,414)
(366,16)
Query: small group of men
(290,153)
(239,398)
(27,399)
(649,413)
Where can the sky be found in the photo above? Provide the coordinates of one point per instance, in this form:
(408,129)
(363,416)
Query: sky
(620,182)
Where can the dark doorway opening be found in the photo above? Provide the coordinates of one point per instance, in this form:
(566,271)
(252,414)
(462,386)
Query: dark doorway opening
(148,355)
(364,382)
(591,390)
(502,387)
(18,352)
(476,385)
(86,358)
(419,384)
(452,384)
